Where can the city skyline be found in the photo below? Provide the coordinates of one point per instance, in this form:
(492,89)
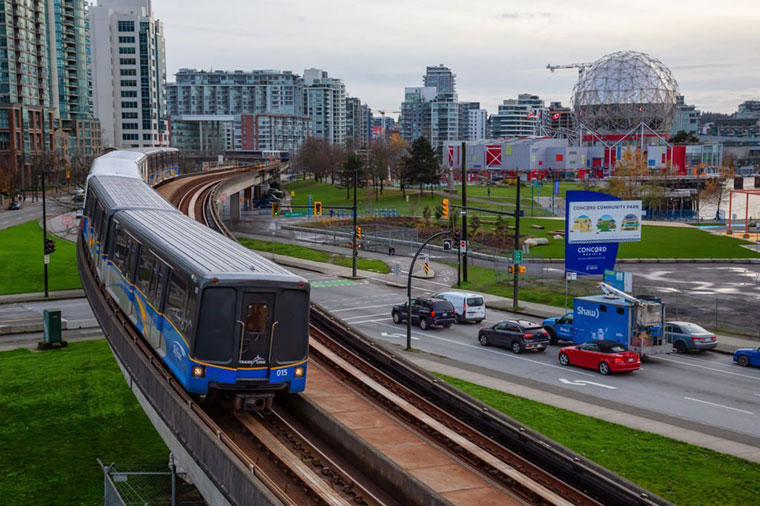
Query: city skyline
(708,49)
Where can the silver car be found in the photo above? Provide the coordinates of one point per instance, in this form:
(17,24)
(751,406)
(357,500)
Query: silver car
(687,336)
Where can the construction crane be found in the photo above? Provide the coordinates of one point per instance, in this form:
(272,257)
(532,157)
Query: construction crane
(580,66)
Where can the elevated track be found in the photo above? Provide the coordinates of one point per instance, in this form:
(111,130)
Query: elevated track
(371,428)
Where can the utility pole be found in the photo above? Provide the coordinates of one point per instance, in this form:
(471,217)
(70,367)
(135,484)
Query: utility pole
(515,282)
(356,251)
(44,233)
(464,209)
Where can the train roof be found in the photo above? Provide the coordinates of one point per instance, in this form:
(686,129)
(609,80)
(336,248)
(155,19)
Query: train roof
(118,192)
(204,251)
(118,163)
(150,151)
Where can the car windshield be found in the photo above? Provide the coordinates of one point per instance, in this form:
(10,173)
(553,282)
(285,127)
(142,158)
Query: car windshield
(475,301)
(442,306)
(692,328)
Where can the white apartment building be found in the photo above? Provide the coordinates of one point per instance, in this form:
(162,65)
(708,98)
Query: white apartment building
(325,102)
(128,73)
(518,118)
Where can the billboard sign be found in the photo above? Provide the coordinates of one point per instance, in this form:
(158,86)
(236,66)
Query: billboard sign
(586,258)
(623,281)
(593,222)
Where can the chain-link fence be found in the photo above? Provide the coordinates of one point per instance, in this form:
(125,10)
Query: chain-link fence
(147,485)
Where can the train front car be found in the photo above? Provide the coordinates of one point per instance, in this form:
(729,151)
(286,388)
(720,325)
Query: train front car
(251,337)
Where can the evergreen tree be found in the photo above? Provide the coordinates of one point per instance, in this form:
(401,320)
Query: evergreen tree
(421,166)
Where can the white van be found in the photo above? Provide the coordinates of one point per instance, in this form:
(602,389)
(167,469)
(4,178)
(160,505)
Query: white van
(469,307)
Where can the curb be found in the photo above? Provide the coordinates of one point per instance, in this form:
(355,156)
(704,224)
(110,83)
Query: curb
(40,297)
(88,323)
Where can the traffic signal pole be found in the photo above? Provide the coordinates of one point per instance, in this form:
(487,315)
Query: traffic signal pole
(515,283)
(44,234)
(355,252)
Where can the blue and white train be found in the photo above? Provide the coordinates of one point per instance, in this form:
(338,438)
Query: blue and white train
(221,318)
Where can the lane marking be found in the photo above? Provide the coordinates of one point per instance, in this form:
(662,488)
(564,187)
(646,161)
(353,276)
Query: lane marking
(503,354)
(708,368)
(585,382)
(364,316)
(400,336)
(355,308)
(719,405)
(370,321)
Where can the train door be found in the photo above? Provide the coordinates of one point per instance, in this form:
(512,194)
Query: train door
(256,338)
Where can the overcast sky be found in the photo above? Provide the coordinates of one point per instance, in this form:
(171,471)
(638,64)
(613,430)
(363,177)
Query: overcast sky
(497,48)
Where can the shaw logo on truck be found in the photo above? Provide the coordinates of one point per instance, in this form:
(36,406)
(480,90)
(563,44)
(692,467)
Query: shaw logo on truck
(592,313)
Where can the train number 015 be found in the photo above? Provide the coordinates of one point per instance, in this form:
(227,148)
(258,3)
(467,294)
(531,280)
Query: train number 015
(281,372)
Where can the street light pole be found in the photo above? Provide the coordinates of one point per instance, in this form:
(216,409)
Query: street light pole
(44,233)
(409,288)
(464,210)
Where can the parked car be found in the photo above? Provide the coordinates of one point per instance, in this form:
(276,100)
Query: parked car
(265,201)
(426,312)
(78,213)
(604,356)
(518,335)
(686,336)
(469,307)
(559,327)
(14,206)
(746,357)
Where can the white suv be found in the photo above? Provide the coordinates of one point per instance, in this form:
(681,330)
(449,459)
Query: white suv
(469,307)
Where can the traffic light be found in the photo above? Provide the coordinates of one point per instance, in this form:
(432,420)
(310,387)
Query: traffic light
(445,208)
(275,209)
(510,269)
(317,208)
(49,246)
(358,232)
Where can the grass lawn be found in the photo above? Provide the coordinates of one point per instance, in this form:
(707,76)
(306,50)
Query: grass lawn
(62,409)
(678,472)
(292,250)
(656,242)
(542,291)
(21,260)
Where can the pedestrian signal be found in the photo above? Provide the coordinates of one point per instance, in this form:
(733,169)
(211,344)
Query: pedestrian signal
(521,269)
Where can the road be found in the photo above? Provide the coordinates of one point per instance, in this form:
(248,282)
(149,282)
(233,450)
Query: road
(695,389)
(29,211)
(76,312)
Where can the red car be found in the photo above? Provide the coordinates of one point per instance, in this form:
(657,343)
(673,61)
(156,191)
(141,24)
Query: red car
(604,356)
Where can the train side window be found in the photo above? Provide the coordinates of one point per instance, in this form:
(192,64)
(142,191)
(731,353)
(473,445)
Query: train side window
(89,203)
(120,249)
(176,298)
(145,269)
(157,284)
(101,223)
(133,250)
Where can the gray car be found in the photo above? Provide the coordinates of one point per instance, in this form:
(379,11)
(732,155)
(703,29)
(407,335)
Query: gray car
(686,336)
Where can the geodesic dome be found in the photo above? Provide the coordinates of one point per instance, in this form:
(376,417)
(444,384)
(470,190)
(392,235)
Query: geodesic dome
(621,90)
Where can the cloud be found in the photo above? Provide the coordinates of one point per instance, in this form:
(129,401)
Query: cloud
(525,15)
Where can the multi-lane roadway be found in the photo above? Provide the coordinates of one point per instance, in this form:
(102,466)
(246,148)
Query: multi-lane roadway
(699,391)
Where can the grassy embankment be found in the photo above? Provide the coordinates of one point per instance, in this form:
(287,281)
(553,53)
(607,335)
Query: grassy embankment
(292,250)
(62,409)
(21,267)
(679,472)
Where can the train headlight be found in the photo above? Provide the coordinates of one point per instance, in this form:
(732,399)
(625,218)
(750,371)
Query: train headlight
(299,372)
(199,371)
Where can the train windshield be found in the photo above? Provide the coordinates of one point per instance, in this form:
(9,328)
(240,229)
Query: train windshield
(214,338)
(291,334)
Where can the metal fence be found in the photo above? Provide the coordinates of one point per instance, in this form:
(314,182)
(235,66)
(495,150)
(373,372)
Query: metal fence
(135,484)
(375,238)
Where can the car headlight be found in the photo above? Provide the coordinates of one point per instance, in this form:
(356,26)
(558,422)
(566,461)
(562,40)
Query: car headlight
(299,372)
(199,371)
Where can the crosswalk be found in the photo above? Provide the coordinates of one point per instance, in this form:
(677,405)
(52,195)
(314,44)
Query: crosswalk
(333,282)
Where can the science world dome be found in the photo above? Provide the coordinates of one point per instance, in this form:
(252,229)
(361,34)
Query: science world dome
(621,90)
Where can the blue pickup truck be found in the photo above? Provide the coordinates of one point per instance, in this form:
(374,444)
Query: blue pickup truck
(636,323)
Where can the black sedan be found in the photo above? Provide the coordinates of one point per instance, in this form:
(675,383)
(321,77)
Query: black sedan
(14,206)
(518,335)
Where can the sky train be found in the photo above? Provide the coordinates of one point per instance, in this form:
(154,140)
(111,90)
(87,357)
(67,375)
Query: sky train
(222,318)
